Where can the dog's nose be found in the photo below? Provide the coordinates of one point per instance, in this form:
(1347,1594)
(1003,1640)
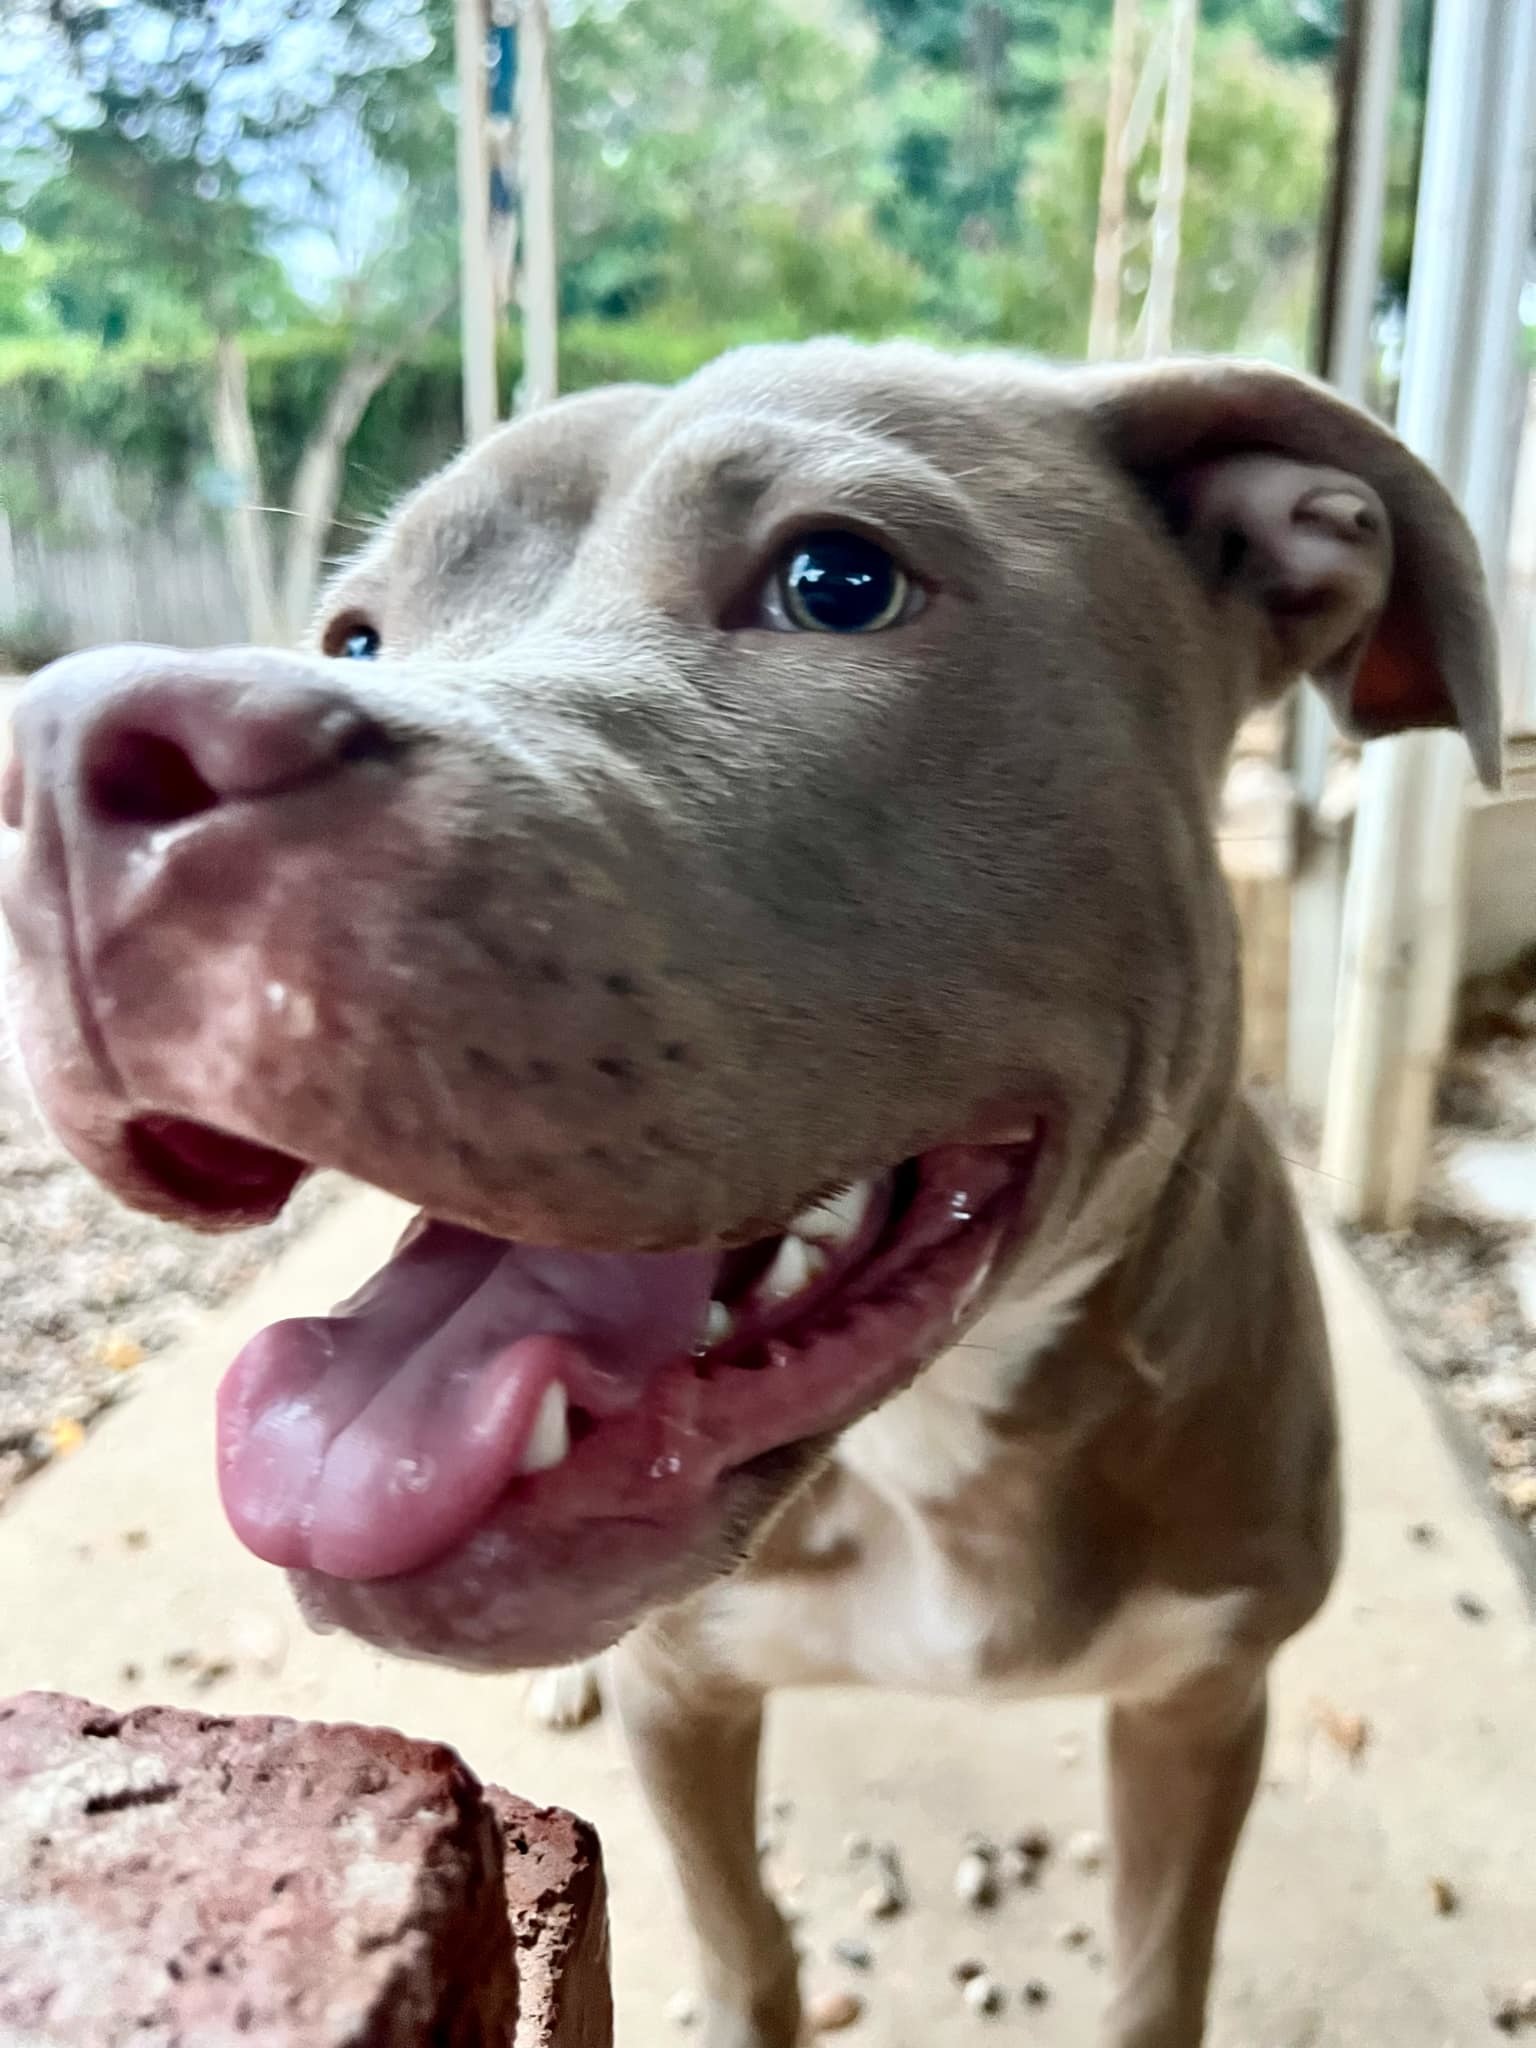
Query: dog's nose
(146,737)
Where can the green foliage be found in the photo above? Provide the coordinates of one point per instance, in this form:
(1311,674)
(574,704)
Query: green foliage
(202,142)
(146,408)
(722,160)
(1258,156)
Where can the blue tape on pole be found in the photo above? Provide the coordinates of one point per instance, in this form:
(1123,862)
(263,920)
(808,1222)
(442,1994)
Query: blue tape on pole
(503,81)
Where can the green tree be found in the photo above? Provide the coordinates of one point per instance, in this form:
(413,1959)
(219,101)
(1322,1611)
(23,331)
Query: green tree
(1258,168)
(723,162)
(242,163)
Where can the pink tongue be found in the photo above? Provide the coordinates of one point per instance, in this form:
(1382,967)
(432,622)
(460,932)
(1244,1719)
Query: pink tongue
(369,1441)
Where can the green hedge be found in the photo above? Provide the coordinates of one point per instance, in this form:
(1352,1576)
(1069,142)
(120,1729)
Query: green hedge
(148,410)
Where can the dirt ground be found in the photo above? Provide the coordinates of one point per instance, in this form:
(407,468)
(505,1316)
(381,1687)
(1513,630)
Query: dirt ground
(1461,1284)
(90,1293)
(1386,1891)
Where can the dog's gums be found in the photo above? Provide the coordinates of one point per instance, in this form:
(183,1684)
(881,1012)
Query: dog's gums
(472,1379)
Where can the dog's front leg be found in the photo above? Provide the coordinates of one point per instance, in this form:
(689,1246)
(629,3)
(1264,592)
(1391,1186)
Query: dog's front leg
(1182,1773)
(696,1748)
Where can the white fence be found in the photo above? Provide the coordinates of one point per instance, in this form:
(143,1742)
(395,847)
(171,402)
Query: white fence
(87,566)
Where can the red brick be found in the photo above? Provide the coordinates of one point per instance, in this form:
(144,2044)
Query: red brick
(173,1880)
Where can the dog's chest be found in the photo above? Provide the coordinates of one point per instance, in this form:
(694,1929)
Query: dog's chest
(934,1556)
(912,1562)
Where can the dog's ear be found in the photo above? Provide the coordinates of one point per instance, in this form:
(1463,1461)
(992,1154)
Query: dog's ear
(1354,552)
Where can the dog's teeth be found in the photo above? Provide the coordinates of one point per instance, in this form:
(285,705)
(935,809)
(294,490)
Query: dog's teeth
(718,1323)
(836,1221)
(796,1264)
(551,1437)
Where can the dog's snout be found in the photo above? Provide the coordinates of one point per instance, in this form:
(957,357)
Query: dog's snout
(129,742)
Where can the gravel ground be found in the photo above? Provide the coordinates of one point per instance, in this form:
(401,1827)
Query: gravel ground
(1450,1280)
(90,1292)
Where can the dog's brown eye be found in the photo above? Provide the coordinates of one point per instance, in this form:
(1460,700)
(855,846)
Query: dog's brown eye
(352,639)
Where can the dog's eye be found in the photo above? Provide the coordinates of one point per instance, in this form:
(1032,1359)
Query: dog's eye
(352,639)
(836,582)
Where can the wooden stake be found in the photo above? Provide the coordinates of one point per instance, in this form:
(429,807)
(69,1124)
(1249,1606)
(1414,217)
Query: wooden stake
(540,276)
(477,270)
(1109,240)
(1168,215)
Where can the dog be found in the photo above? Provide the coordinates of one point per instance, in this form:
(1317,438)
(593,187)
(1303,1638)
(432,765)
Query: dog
(739,859)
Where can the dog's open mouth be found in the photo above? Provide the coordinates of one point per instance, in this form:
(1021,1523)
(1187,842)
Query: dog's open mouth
(473,1379)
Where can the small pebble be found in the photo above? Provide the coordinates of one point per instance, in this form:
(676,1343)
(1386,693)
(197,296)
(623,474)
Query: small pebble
(1037,1993)
(783,1810)
(976,1844)
(1505,2013)
(830,2011)
(1037,1844)
(892,1876)
(1086,1851)
(966,1969)
(131,1674)
(1017,1868)
(857,1955)
(682,2009)
(1525,1998)
(857,1848)
(976,1881)
(880,1902)
(1422,1533)
(982,1994)
(1444,1897)
(136,1539)
(1074,1935)
(1470,1608)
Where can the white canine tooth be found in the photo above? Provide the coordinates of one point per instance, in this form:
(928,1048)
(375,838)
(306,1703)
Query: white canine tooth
(837,1220)
(718,1323)
(796,1264)
(551,1437)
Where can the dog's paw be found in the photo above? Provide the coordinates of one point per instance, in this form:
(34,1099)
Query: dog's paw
(566,1698)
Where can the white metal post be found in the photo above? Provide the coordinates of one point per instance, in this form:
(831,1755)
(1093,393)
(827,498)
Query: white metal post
(477,269)
(540,277)
(1317,894)
(1402,911)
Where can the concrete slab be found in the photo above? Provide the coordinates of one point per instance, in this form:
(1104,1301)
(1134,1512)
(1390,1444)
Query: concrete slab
(1499,1174)
(119,1580)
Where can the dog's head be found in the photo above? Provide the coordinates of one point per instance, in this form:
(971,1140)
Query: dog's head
(739,860)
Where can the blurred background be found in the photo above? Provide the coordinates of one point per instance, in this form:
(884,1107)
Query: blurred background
(229,237)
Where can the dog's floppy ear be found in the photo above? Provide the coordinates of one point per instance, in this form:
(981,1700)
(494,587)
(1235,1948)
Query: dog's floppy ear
(1349,545)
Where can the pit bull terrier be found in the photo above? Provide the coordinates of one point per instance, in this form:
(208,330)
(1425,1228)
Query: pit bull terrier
(739,860)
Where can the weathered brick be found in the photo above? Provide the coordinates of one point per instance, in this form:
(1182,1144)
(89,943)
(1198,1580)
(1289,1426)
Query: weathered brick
(173,1880)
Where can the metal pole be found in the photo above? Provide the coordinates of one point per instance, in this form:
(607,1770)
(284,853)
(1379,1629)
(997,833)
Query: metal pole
(477,270)
(1109,241)
(540,277)
(1366,89)
(1402,910)
(1363,176)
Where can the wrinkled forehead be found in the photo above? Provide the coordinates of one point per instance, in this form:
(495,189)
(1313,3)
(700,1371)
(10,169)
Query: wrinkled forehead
(878,432)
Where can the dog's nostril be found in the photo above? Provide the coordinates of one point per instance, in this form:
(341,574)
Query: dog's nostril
(142,778)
